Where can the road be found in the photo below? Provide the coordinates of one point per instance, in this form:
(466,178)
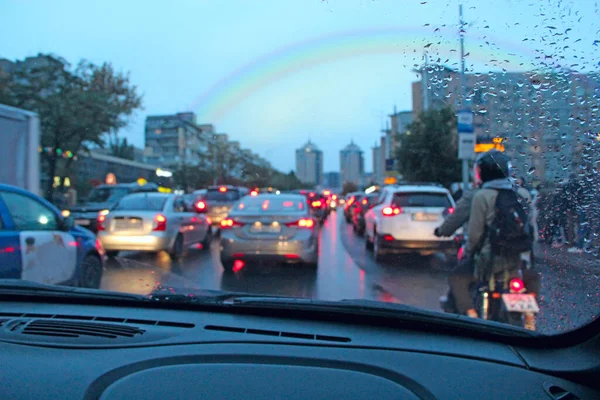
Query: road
(570,296)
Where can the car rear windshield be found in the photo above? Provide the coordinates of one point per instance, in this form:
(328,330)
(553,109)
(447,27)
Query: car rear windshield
(107,194)
(420,199)
(141,202)
(218,195)
(271,205)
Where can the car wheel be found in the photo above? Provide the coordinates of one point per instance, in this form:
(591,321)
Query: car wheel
(206,242)
(177,250)
(112,254)
(227,266)
(377,251)
(368,243)
(90,274)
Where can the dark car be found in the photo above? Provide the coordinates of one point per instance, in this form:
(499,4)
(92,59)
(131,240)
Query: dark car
(351,198)
(359,208)
(218,201)
(104,197)
(317,204)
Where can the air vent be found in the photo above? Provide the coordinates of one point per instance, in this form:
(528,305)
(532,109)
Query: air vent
(264,332)
(558,393)
(76,329)
(3,317)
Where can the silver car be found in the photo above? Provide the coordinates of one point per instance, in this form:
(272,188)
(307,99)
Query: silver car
(218,201)
(269,227)
(152,222)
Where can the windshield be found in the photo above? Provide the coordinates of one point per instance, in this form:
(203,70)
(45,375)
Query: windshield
(270,205)
(416,199)
(141,202)
(217,195)
(471,129)
(106,195)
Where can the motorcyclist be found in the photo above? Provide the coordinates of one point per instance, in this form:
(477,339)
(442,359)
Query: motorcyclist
(492,173)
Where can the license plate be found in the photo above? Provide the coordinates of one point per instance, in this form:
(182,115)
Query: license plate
(516,302)
(425,217)
(265,229)
(83,222)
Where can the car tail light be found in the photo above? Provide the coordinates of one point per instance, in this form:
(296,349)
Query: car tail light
(292,256)
(448,211)
(100,222)
(316,203)
(228,223)
(254,193)
(312,194)
(350,201)
(390,211)
(461,253)
(160,223)
(222,189)
(302,223)
(388,238)
(200,206)
(516,285)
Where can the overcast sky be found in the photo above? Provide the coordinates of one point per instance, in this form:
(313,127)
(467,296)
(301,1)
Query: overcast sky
(274,73)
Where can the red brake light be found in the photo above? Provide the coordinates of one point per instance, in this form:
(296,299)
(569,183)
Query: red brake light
(303,223)
(254,193)
(388,238)
(316,203)
(364,202)
(389,211)
(451,210)
(350,201)
(516,285)
(311,194)
(222,189)
(160,223)
(200,206)
(100,222)
(334,197)
(229,223)
(327,192)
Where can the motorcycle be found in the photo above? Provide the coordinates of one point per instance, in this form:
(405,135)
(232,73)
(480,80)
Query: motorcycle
(501,298)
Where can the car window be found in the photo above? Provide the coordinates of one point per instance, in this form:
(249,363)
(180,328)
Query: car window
(107,194)
(29,214)
(179,205)
(254,205)
(420,199)
(142,203)
(218,195)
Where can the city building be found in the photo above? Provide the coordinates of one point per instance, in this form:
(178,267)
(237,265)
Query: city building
(174,140)
(400,120)
(351,164)
(542,116)
(377,157)
(309,164)
(332,180)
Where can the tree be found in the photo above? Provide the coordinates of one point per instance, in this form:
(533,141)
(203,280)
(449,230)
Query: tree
(428,152)
(119,147)
(77,107)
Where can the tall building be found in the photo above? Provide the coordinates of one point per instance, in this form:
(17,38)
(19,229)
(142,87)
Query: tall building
(174,139)
(543,116)
(332,180)
(352,165)
(378,166)
(309,164)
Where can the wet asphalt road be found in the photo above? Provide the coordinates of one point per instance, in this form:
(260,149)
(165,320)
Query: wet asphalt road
(570,297)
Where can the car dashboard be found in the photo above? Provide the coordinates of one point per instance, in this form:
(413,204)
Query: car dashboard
(82,351)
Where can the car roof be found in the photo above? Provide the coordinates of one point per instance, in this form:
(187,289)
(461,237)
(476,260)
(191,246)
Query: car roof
(267,196)
(151,194)
(417,188)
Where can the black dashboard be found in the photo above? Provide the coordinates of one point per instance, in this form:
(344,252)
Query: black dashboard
(76,351)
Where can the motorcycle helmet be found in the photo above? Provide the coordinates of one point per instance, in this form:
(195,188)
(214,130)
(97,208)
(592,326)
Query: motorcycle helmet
(492,165)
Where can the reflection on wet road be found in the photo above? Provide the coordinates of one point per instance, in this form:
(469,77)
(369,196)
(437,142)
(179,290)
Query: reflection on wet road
(345,271)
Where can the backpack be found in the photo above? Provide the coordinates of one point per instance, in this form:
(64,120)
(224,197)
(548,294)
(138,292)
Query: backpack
(511,232)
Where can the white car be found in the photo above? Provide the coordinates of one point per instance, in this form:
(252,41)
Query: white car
(403,220)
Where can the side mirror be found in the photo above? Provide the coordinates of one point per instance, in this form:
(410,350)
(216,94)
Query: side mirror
(67,223)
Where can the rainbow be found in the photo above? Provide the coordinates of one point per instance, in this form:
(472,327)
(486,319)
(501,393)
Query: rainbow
(232,89)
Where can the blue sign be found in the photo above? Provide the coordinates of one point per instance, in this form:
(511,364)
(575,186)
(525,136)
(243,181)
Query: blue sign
(465,121)
(390,164)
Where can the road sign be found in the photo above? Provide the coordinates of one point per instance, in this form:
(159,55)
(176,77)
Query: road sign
(390,164)
(466,146)
(465,121)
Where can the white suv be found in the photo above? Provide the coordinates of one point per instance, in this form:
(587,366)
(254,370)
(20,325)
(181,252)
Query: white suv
(403,220)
